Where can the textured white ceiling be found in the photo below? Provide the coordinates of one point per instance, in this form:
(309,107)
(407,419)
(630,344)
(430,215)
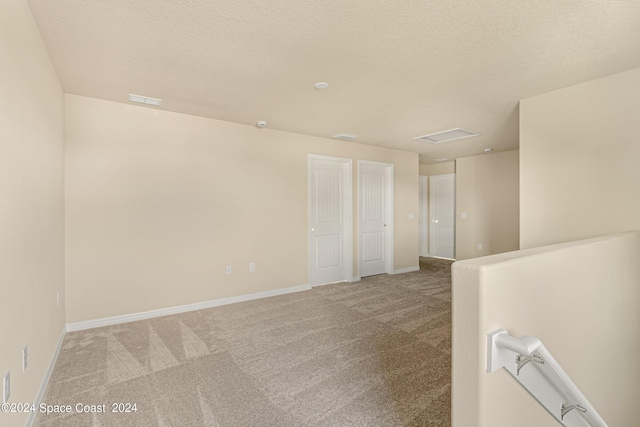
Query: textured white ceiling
(396,69)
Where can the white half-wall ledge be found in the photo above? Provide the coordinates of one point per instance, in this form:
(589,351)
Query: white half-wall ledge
(107,321)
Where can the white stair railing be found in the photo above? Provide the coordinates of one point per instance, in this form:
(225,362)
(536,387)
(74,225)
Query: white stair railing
(531,364)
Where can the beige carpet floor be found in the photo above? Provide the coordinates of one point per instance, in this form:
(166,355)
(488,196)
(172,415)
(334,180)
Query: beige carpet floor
(372,353)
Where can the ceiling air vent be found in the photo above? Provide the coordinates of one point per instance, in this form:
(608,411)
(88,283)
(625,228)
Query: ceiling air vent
(446,136)
(144,100)
(345,136)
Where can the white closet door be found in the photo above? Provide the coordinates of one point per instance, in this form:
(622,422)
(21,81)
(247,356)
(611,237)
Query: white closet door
(424,216)
(329,220)
(442,209)
(373,218)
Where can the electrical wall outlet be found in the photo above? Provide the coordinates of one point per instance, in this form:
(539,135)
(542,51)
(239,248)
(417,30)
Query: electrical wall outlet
(25,356)
(58,299)
(252,267)
(479,246)
(6,387)
(228,269)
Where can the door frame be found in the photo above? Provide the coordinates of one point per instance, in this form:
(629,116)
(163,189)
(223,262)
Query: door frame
(455,228)
(388,210)
(347,214)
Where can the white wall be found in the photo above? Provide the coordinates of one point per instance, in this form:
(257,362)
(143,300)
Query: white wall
(443,168)
(579,157)
(31,204)
(157,203)
(487,191)
(581,299)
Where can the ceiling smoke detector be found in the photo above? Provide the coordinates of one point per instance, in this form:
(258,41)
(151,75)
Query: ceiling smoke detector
(488,150)
(446,136)
(345,136)
(262,124)
(321,85)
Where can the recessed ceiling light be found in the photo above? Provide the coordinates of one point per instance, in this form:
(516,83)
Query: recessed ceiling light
(144,100)
(488,150)
(441,160)
(345,136)
(321,85)
(262,124)
(446,136)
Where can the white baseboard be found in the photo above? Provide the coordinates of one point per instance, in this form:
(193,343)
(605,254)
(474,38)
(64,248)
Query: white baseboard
(353,279)
(330,283)
(45,381)
(406,270)
(107,321)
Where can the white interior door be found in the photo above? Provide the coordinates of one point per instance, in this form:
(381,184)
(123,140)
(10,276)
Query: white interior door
(442,210)
(375,218)
(424,215)
(330,206)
